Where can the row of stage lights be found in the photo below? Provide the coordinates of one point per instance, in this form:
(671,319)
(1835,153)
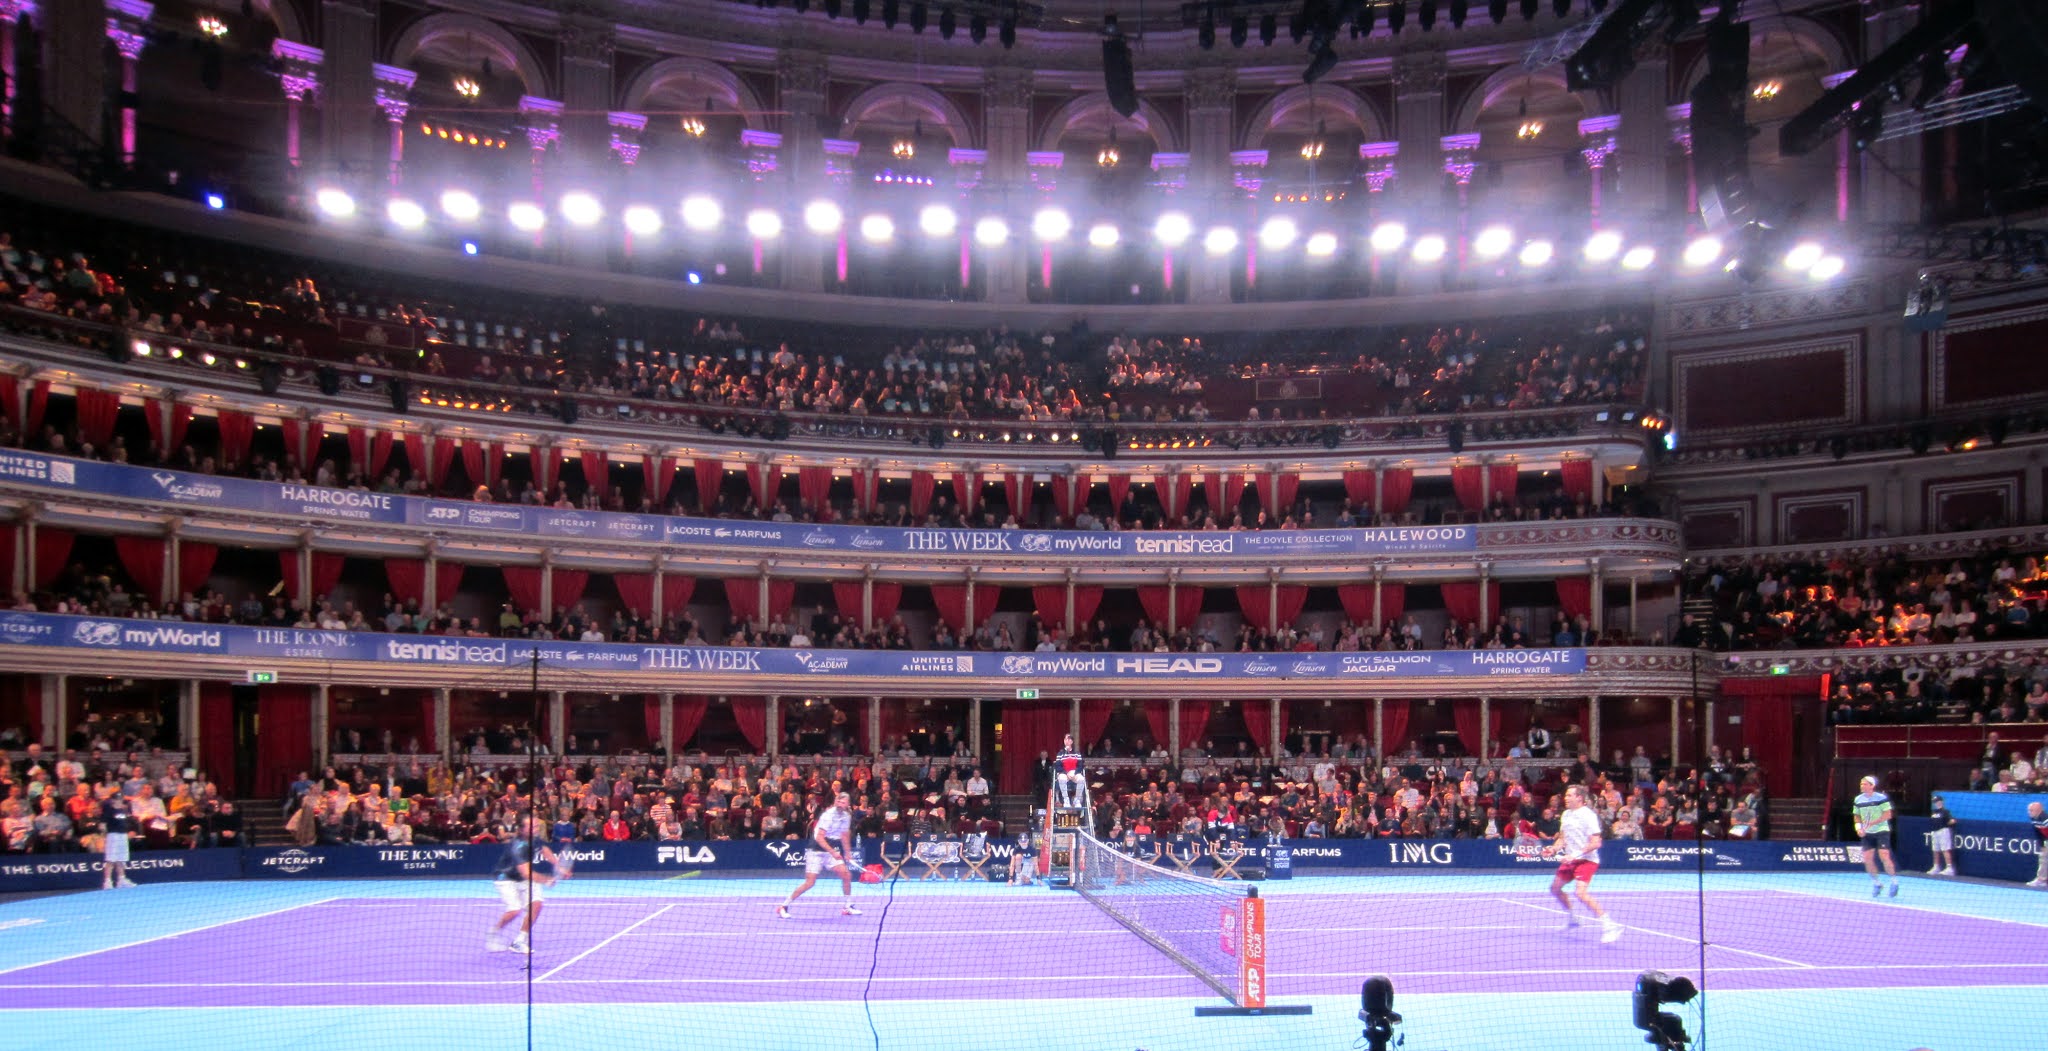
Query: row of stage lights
(703,214)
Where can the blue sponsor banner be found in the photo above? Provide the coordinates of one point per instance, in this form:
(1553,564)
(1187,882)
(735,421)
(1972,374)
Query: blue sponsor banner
(1618,855)
(218,493)
(1991,806)
(1983,849)
(38,872)
(171,636)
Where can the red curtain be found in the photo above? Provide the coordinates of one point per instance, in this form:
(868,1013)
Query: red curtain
(569,585)
(1063,496)
(1119,489)
(1575,596)
(1029,727)
(921,484)
(1465,713)
(846,595)
(1153,600)
(597,468)
(1269,500)
(10,398)
(523,583)
(447,580)
(1767,721)
(1183,489)
(195,564)
(170,438)
(1393,603)
(1258,722)
(541,459)
(7,541)
(407,577)
(636,591)
(284,724)
(869,484)
(236,431)
(781,594)
(814,487)
(1291,598)
(650,715)
(1394,724)
(965,492)
(1461,600)
(217,737)
(1212,493)
(143,558)
(1094,721)
(1017,493)
(658,472)
(1500,482)
(1087,599)
(1468,481)
(1253,599)
(689,716)
(951,600)
(1051,602)
(97,411)
(440,454)
(676,592)
(709,474)
(1357,602)
(302,440)
(428,741)
(473,461)
(887,597)
(1396,484)
(751,713)
(743,597)
(1578,479)
(380,454)
(1194,722)
(1358,488)
(1159,719)
(765,482)
(326,572)
(1277,503)
(38,400)
(53,549)
(416,456)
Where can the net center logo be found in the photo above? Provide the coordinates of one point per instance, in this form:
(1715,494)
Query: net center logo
(294,861)
(688,855)
(1420,854)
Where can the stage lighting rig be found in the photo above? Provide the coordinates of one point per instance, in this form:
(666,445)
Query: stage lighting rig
(1884,76)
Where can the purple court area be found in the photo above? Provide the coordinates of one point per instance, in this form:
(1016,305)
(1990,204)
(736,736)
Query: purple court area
(1022,945)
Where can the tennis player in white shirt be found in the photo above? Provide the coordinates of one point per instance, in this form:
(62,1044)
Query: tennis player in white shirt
(1577,850)
(831,847)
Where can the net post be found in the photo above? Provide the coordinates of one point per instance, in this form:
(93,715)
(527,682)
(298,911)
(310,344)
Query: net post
(1251,982)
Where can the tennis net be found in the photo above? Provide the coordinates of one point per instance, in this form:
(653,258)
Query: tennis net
(1215,929)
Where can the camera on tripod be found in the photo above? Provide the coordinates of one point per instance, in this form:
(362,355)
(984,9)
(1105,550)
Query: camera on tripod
(1376,1010)
(1662,1029)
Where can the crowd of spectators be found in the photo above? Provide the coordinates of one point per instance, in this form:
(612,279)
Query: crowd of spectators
(1855,602)
(52,804)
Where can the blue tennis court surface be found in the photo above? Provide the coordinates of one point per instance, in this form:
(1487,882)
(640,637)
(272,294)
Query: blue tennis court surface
(1478,961)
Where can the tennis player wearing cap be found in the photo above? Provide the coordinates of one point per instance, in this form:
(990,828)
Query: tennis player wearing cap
(831,847)
(1577,850)
(1874,823)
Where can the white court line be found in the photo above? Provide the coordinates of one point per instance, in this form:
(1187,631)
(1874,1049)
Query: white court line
(161,937)
(1894,903)
(1008,978)
(1673,937)
(863,932)
(603,943)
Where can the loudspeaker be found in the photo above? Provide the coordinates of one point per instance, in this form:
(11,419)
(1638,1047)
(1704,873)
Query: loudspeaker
(270,376)
(566,408)
(1454,435)
(1119,79)
(401,399)
(1720,137)
(1109,445)
(328,379)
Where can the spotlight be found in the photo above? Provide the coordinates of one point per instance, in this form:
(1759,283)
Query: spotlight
(1537,253)
(948,23)
(216,201)
(977,28)
(1376,1010)
(1006,33)
(581,209)
(1051,224)
(1205,34)
(1173,229)
(1388,237)
(526,217)
(1654,989)
(1240,31)
(1493,242)
(1429,248)
(469,248)
(1269,28)
(1827,267)
(860,12)
(1702,251)
(1602,247)
(701,213)
(334,203)
(918,18)
(694,278)
(1321,244)
(877,228)
(1803,255)
(764,225)
(460,205)
(642,221)
(404,213)
(1220,240)
(1277,233)
(1119,77)
(937,220)
(991,231)
(821,217)
(1639,258)
(1103,235)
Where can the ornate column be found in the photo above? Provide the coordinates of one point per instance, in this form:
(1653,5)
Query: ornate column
(1461,159)
(542,120)
(1376,164)
(444,711)
(188,723)
(1597,143)
(665,724)
(1892,189)
(348,46)
(626,129)
(1640,140)
(1679,120)
(1006,113)
(1486,728)
(1212,108)
(1247,174)
(974,729)
(558,721)
(875,725)
(1593,725)
(1173,729)
(1599,596)
(773,732)
(1486,613)
(1677,711)
(55,711)
(127,27)
(1379,728)
(800,85)
(394,94)
(11,12)
(1419,122)
(1845,153)
(298,73)
(323,716)
(586,90)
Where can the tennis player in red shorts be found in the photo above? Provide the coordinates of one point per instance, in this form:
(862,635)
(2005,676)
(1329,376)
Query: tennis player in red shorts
(1577,850)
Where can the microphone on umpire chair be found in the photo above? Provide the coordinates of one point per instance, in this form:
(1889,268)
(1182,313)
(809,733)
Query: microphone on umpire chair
(1376,1003)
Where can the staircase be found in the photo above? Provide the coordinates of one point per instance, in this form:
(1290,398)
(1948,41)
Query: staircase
(1797,818)
(1014,812)
(262,825)
(1700,607)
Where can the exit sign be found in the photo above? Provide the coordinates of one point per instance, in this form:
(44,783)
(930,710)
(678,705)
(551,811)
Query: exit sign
(262,678)
(1027,695)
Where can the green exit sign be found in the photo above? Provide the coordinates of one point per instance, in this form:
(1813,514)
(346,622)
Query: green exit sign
(1027,695)
(1781,669)
(262,678)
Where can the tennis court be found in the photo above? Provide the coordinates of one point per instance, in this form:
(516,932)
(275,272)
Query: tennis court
(1477,961)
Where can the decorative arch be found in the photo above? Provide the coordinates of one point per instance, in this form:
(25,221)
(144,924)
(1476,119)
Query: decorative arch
(707,78)
(1328,102)
(504,48)
(1810,35)
(1148,119)
(934,109)
(1507,79)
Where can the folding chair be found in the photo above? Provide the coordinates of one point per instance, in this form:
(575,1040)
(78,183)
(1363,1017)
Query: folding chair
(1146,850)
(1227,851)
(974,854)
(931,852)
(894,853)
(1183,850)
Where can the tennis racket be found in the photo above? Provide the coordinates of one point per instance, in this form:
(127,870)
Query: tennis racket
(565,864)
